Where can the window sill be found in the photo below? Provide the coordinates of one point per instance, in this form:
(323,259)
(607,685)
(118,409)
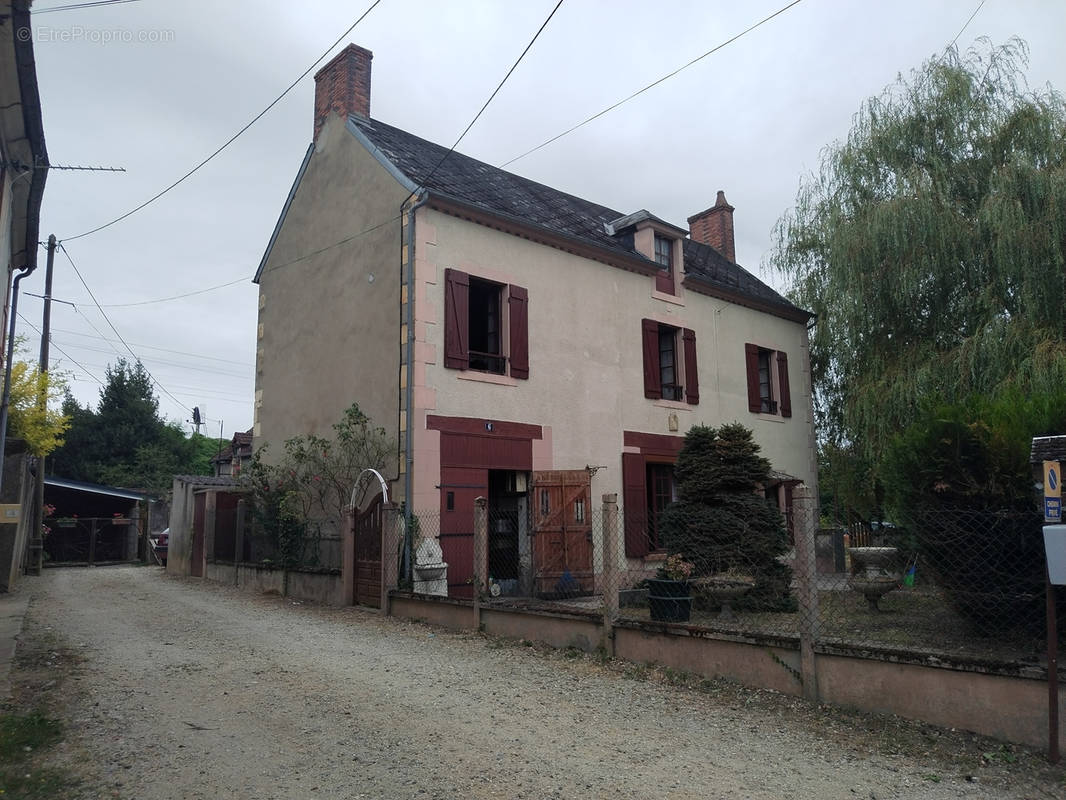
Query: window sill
(487,377)
(655,558)
(771,417)
(679,405)
(667,298)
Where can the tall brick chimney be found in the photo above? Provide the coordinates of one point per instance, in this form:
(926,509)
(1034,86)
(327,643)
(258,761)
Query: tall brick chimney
(715,227)
(343,85)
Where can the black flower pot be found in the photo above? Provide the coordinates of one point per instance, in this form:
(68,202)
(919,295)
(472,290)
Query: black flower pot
(669,601)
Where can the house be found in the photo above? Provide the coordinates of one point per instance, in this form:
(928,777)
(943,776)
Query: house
(541,350)
(23,161)
(237,453)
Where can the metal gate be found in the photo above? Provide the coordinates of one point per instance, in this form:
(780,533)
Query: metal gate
(76,541)
(367,553)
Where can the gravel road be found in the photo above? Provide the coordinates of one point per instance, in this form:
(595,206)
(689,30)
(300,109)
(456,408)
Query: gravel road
(184,689)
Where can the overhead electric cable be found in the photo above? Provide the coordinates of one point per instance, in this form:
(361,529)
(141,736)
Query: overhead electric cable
(153,347)
(967,25)
(234,137)
(76,6)
(492,96)
(179,296)
(652,85)
(61,351)
(107,319)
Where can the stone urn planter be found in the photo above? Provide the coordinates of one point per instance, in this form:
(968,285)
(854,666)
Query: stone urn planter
(724,590)
(870,576)
(669,601)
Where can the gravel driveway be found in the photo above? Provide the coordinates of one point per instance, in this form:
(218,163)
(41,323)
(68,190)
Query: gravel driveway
(185,689)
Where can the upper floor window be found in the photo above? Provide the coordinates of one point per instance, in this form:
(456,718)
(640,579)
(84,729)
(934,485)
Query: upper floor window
(670,371)
(477,315)
(664,257)
(768,387)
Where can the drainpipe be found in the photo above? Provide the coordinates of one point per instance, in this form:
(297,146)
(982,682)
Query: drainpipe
(7,365)
(408,478)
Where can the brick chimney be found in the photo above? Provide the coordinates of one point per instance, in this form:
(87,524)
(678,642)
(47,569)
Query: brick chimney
(343,86)
(715,227)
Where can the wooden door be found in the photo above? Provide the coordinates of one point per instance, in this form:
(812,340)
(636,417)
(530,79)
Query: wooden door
(459,487)
(367,568)
(562,533)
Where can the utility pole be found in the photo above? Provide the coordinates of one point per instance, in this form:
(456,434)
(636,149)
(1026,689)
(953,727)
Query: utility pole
(36,561)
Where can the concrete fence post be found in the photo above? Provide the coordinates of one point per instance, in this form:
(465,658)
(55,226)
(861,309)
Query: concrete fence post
(391,541)
(481,555)
(348,557)
(805,525)
(609,582)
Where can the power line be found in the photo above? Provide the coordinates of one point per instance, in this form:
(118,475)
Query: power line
(653,84)
(179,365)
(153,347)
(235,136)
(967,25)
(179,296)
(76,6)
(492,96)
(119,335)
(57,347)
(433,171)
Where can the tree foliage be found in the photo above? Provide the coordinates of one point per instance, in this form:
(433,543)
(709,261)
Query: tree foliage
(306,492)
(40,425)
(931,247)
(124,441)
(721,522)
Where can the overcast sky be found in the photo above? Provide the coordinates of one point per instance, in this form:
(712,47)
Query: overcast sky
(155,86)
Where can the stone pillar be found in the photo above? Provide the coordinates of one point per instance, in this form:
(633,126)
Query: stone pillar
(609,582)
(481,554)
(805,524)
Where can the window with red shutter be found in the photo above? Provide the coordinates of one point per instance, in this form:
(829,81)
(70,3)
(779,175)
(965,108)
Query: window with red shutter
(650,343)
(518,307)
(768,388)
(456,319)
(692,381)
(634,505)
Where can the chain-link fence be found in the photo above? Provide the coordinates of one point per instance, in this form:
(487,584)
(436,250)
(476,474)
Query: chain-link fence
(961,583)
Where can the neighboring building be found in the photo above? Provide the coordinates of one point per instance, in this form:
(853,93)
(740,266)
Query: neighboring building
(23,156)
(234,456)
(542,350)
(23,161)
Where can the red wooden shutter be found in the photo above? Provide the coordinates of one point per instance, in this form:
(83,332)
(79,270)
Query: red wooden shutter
(518,308)
(751,358)
(653,387)
(785,404)
(692,379)
(456,319)
(635,505)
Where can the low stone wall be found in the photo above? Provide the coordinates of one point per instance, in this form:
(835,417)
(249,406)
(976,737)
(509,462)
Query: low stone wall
(1003,701)
(319,586)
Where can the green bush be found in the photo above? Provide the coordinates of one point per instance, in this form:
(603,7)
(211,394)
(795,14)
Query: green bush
(721,521)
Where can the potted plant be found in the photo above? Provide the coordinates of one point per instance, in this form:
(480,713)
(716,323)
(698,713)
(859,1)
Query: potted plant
(669,598)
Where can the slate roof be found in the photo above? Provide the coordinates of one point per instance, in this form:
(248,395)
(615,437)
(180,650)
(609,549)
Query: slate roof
(503,193)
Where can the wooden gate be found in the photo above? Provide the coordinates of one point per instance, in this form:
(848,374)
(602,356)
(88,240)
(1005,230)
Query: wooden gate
(367,550)
(562,533)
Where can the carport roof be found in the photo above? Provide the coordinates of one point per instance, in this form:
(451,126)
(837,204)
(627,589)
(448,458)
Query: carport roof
(82,486)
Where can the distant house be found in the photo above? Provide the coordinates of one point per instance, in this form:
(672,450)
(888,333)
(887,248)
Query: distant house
(522,344)
(232,457)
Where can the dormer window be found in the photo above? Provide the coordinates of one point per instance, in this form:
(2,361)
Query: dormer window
(664,257)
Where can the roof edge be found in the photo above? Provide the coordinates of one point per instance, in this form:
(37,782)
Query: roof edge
(33,122)
(522,228)
(702,285)
(284,212)
(401,177)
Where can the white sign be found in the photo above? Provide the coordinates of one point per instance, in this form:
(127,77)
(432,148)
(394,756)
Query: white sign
(1055,550)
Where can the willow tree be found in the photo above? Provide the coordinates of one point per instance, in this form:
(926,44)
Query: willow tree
(931,246)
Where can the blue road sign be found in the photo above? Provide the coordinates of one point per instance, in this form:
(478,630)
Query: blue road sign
(1052,509)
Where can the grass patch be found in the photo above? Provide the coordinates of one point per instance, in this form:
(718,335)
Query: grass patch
(22,738)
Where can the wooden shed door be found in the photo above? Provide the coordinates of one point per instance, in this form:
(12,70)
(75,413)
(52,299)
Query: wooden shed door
(459,487)
(368,556)
(562,532)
